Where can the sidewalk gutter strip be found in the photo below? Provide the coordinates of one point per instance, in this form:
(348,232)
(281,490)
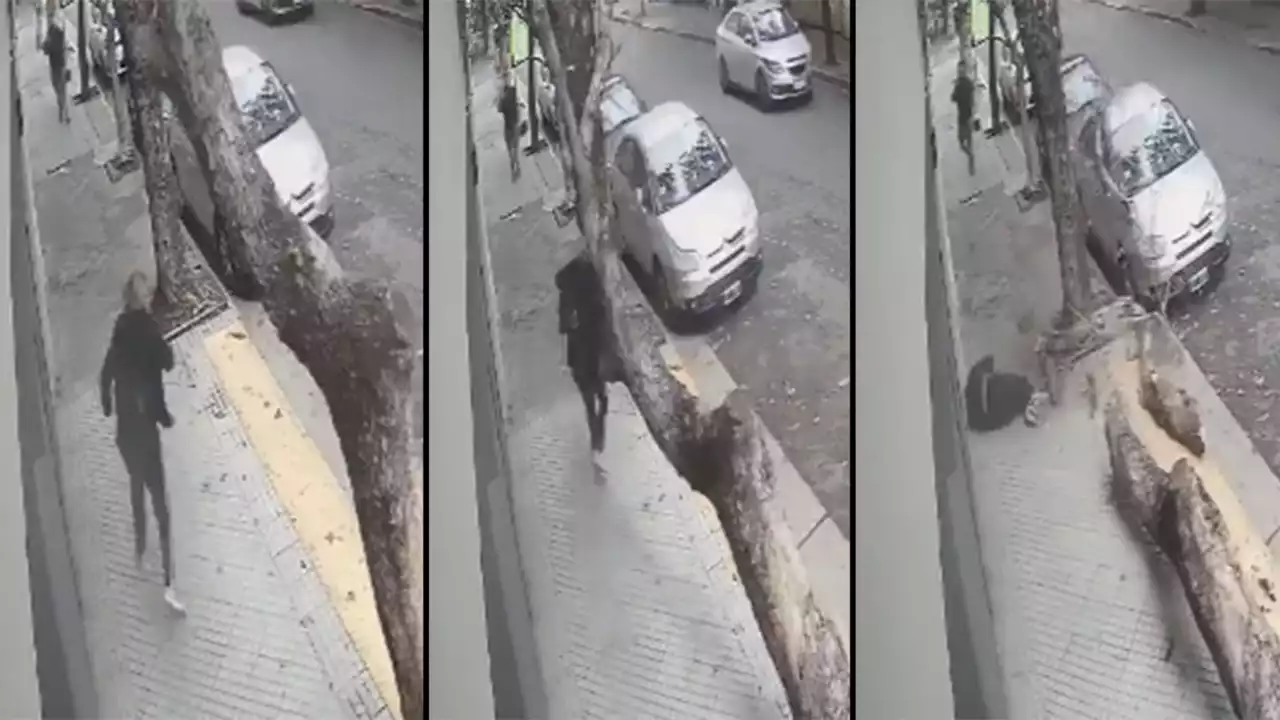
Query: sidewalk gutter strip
(310,494)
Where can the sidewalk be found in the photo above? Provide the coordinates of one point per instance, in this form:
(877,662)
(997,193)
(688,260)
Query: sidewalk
(1087,625)
(1253,22)
(635,610)
(699,22)
(280,617)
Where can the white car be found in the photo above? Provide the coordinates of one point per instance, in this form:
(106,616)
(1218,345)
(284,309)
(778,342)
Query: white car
(1154,202)
(761,47)
(284,141)
(685,214)
(101,16)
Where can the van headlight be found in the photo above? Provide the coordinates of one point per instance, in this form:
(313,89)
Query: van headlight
(1151,248)
(686,261)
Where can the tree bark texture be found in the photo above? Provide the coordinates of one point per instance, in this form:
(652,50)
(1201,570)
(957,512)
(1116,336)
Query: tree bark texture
(721,454)
(138,95)
(342,330)
(1176,512)
(1042,48)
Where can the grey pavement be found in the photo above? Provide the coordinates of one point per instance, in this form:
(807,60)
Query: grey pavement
(1086,625)
(1253,23)
(634,610)
(698,22)
(261,638)
(789,345)
(359,80)
(1234,332)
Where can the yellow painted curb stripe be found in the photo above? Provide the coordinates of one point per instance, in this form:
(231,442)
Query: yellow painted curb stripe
(310,494)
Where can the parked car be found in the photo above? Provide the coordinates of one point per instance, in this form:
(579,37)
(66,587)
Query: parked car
(760,46)
(686,215)
(1084,92)
(1154,202)
(102,16)
(278,132)
(619,103)
(274,10)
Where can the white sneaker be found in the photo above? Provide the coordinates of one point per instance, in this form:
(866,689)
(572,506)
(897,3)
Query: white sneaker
(171,599)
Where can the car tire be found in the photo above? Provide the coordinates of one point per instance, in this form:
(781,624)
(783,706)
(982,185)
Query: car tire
(242,8)
(726,85)
(762,92)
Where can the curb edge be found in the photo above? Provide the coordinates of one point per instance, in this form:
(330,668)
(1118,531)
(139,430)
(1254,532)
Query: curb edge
(400,16)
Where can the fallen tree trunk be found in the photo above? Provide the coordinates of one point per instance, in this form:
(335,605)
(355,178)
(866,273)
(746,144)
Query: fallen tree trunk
(343,330)
(1182,519)
(721,454)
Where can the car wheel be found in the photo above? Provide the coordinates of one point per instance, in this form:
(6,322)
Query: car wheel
(242,8)
(726,85)
(762,91)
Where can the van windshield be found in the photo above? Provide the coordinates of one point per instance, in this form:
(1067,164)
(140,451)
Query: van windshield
(1148,147)
(265,105)
(684,162)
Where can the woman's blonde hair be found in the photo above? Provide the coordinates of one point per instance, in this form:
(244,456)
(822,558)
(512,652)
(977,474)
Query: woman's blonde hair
(137,291)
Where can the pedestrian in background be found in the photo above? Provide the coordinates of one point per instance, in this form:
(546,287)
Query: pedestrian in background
(962,96)
(132,376)
(55,48)
(588,342)
(509,107)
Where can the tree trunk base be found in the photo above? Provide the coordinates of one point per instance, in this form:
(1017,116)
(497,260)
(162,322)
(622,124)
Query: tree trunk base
(196,295)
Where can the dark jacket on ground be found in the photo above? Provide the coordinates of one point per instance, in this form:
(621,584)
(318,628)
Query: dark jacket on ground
(136,361)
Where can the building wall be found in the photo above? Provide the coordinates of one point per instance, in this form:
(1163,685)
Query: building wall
(457,635)
(900,621)
(977,681)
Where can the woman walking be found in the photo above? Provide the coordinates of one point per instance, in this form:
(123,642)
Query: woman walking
(132,376)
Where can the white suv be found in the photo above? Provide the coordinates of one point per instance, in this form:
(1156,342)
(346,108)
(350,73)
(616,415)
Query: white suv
(686,215)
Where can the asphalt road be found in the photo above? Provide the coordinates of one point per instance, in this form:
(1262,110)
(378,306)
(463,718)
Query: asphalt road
(789,346)
(359,78)
(1229,92)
